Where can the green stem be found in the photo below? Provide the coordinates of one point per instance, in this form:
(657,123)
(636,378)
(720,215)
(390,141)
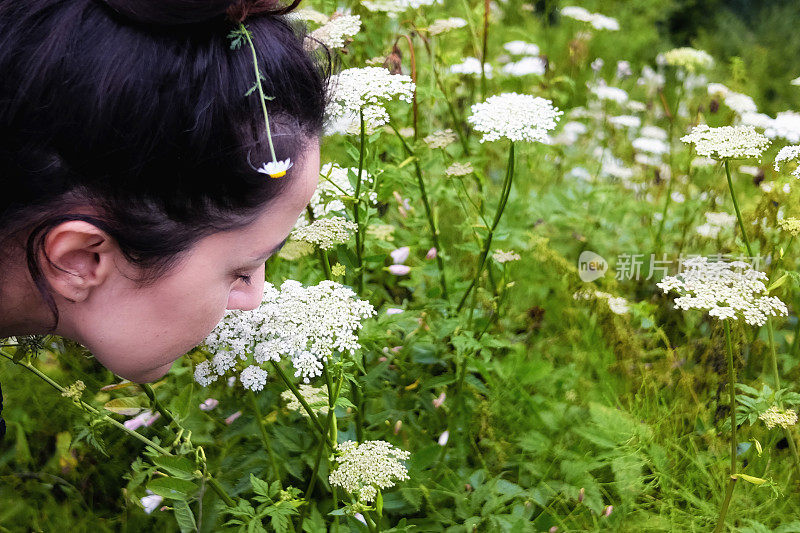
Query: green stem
(488,243)
(486,9)
(732,391)
(326,264)
(312,415)
(264,435)
(428,214)
(357,206)
(148,389)
(263,98)
(736,208)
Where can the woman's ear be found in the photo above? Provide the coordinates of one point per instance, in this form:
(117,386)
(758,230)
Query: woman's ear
(78,257)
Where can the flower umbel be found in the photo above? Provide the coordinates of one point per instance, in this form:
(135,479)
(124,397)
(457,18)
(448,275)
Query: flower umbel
(326,232)
(517,117)
(789,153)
(775,416)
(727,290)
(727,142)
(365,468)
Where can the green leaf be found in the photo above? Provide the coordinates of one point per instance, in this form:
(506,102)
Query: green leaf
(180,467)
(259,487)
(175,489)
(129,406)
(379,504)
(778,282)
(184,517)
(750,479)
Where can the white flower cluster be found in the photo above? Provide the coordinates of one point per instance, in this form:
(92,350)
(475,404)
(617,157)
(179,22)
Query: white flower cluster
(334,184)
(305,324)
(335,33)
(790,225)
(504,257)
(521,48)
(526,66)
(472,66)
(598,21)
(605,92)
(785,125)
(459,169)
(440,138)
(775,416)
(517,117)
(689,59)
(715,222)
(365,468)
(788,153)
(440,26)
(727,290)
(315,397)
(366,89)
(727,142)
(616,304)
(393,7)
(326,232)
(740,103)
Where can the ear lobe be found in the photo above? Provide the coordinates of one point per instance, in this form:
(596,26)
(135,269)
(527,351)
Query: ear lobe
(78,257)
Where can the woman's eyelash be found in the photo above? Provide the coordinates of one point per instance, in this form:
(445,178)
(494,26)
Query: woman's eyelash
(245,278)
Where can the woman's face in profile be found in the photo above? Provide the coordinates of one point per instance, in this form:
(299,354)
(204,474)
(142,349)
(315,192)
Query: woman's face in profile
(138,332)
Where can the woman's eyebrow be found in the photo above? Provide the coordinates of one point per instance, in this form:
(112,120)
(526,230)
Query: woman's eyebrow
(274,250)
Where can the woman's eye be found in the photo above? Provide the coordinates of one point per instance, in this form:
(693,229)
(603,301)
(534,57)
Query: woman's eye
(245,278)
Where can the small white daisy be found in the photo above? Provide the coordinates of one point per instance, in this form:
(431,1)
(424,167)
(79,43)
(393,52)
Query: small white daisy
(276,169)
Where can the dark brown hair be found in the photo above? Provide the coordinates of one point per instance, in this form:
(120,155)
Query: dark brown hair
(136,109)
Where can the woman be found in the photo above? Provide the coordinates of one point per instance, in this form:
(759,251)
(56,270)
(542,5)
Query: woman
(132,214)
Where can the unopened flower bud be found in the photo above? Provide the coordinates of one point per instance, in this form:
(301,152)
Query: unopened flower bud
(444,437)
(400,255)
(553,529)
(431,253)
(581,494)
(399,270)
(437,402)
(607,511)
(209,404)
(233,417)
(397,426)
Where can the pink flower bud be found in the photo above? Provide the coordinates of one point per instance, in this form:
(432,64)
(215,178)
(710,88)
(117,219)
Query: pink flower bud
(381,359)
(233,417)
(400,255)
(444,437)
(437,402)
(553,529)
(209,404)
(399,270)
(431,253)
(397,426)
(145,418)
(152,419)
(393,311)
(396,349)
(607,510)
(581,494)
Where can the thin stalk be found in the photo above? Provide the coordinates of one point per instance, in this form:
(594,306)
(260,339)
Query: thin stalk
(148,389)
(88,408)
(736,208)
(486,9)
(357,205)
(732,391)
(488,243)
(261,94)
(413,60)
(312,415)
(428,214)
(264,435)
(326,264)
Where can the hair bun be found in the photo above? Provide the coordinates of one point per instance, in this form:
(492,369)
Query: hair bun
(179,12)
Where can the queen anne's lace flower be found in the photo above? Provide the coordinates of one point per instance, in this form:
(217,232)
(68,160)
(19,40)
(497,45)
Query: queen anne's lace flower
(444,25)
(521,48)
(775,416)
(440,139)
(727,142)
(459,169)
(472,66)
(598,21)
(740,103)
(605,92)
(517,117)
(689,59)
(790,225)
(363,469)
(727,290)
(526,66)
(336,32)
(366,89)
(305,324)
(326,232)
(716,222)
(504,257)
(788,153)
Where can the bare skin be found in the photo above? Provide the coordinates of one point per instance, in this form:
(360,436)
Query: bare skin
(138,332)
